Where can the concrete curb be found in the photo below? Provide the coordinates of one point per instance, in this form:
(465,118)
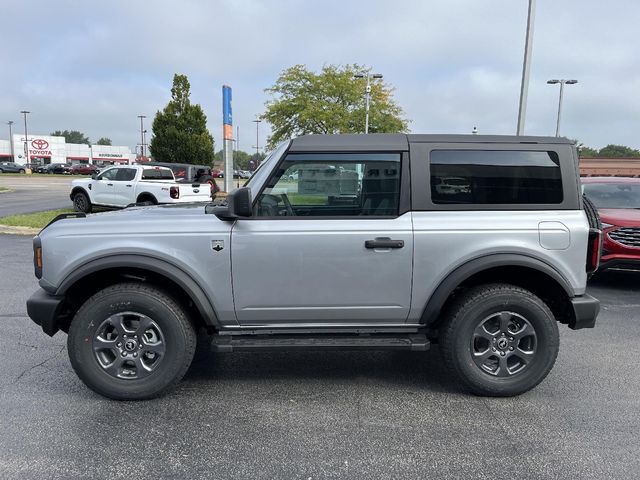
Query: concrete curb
(9,230)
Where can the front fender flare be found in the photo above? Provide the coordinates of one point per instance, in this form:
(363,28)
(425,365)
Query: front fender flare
(153,264)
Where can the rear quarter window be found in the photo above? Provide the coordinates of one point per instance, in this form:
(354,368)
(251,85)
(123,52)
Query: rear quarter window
(495,177)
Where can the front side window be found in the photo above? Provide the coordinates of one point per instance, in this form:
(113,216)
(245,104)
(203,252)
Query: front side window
(494,177)
(333,185)
(109,174)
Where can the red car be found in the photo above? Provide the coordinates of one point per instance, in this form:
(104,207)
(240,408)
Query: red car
(84,169)
(618,202)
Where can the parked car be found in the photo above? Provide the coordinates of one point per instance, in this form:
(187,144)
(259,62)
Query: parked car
(189,173)
(84,169)
(120,186)
(618,203)
(11,167)
(368,256)
(58,168)
(217,173)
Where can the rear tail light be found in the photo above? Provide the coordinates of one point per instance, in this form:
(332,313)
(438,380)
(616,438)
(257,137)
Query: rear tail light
(37,256)
(593,249)
(174,192)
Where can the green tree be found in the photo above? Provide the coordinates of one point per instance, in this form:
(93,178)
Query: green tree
(104,141)
(331,101)
(618,151)
(180,132)
(72,136)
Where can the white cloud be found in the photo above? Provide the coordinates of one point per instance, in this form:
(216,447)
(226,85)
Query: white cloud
(455,64)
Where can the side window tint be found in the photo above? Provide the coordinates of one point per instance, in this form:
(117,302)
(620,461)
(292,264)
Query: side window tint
(494,177)
(333,185)
(126,174)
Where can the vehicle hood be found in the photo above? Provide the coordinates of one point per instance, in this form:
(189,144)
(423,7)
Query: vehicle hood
(147,220)
(622,217)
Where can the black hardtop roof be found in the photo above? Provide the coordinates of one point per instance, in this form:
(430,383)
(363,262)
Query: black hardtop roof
(400,141)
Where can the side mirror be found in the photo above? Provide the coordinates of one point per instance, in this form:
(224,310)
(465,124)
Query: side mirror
(94,176)
(238,205)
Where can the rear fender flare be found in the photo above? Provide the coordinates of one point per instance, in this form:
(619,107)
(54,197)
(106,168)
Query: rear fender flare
(465,271)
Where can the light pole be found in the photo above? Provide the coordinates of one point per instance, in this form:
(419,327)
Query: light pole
(526,66)
(26,135)
(562,82)
(13,156)
(144,143)
(257,122)
(367,96)
(142,117)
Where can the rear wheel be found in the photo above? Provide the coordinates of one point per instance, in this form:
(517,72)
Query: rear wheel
(500,340)
(81,203)
(131,342)
(21,170)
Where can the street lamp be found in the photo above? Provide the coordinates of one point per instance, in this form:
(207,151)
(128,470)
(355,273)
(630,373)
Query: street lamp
(257,147)
(562,83)
(367,95)
(142,117)
(26,135)
(13,156)
(526,67)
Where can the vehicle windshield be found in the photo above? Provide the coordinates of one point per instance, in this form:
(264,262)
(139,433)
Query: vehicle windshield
(613,195)
(275,154)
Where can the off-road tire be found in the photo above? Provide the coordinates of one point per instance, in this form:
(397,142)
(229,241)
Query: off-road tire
(592,213)
(81,203)
(467,312)
(170,317)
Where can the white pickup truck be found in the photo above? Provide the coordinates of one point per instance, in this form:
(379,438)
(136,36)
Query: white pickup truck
(119,186)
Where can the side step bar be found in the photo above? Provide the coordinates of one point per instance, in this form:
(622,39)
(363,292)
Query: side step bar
(237,343)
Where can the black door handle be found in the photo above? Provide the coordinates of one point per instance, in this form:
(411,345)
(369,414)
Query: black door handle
(128,185)
(384,242)
(109,184)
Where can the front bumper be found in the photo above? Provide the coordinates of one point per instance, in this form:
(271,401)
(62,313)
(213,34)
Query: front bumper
(585,311)
(45,310)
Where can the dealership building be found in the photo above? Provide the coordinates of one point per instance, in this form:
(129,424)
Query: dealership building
(46,149)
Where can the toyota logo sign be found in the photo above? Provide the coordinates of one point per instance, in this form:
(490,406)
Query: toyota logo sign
(40,144)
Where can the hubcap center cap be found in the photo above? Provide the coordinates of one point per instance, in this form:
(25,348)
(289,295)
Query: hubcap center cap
(130,345)
(503,343)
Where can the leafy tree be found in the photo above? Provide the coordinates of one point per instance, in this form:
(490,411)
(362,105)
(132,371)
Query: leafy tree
(584,151)
(72,136)
(618,151)
(180,132)
(331,101)
(104,141)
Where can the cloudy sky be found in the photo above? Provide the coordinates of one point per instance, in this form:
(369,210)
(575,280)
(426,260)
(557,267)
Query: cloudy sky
(94,66)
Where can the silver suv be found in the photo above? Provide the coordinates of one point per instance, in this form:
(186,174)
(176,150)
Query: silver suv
(480,244)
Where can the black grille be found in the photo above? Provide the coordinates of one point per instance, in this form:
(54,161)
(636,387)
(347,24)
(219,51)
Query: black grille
(626,236)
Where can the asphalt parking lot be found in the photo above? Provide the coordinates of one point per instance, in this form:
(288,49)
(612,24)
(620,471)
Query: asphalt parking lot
(321,415)
(34,193)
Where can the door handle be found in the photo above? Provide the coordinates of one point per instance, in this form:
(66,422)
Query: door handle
(109,184)
(129,185)
(383,242)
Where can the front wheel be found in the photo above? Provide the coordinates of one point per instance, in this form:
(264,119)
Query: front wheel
(81,203)
(131,341)
(500,340)
(21,171)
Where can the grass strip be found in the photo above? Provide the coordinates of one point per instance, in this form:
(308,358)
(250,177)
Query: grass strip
(33,220)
